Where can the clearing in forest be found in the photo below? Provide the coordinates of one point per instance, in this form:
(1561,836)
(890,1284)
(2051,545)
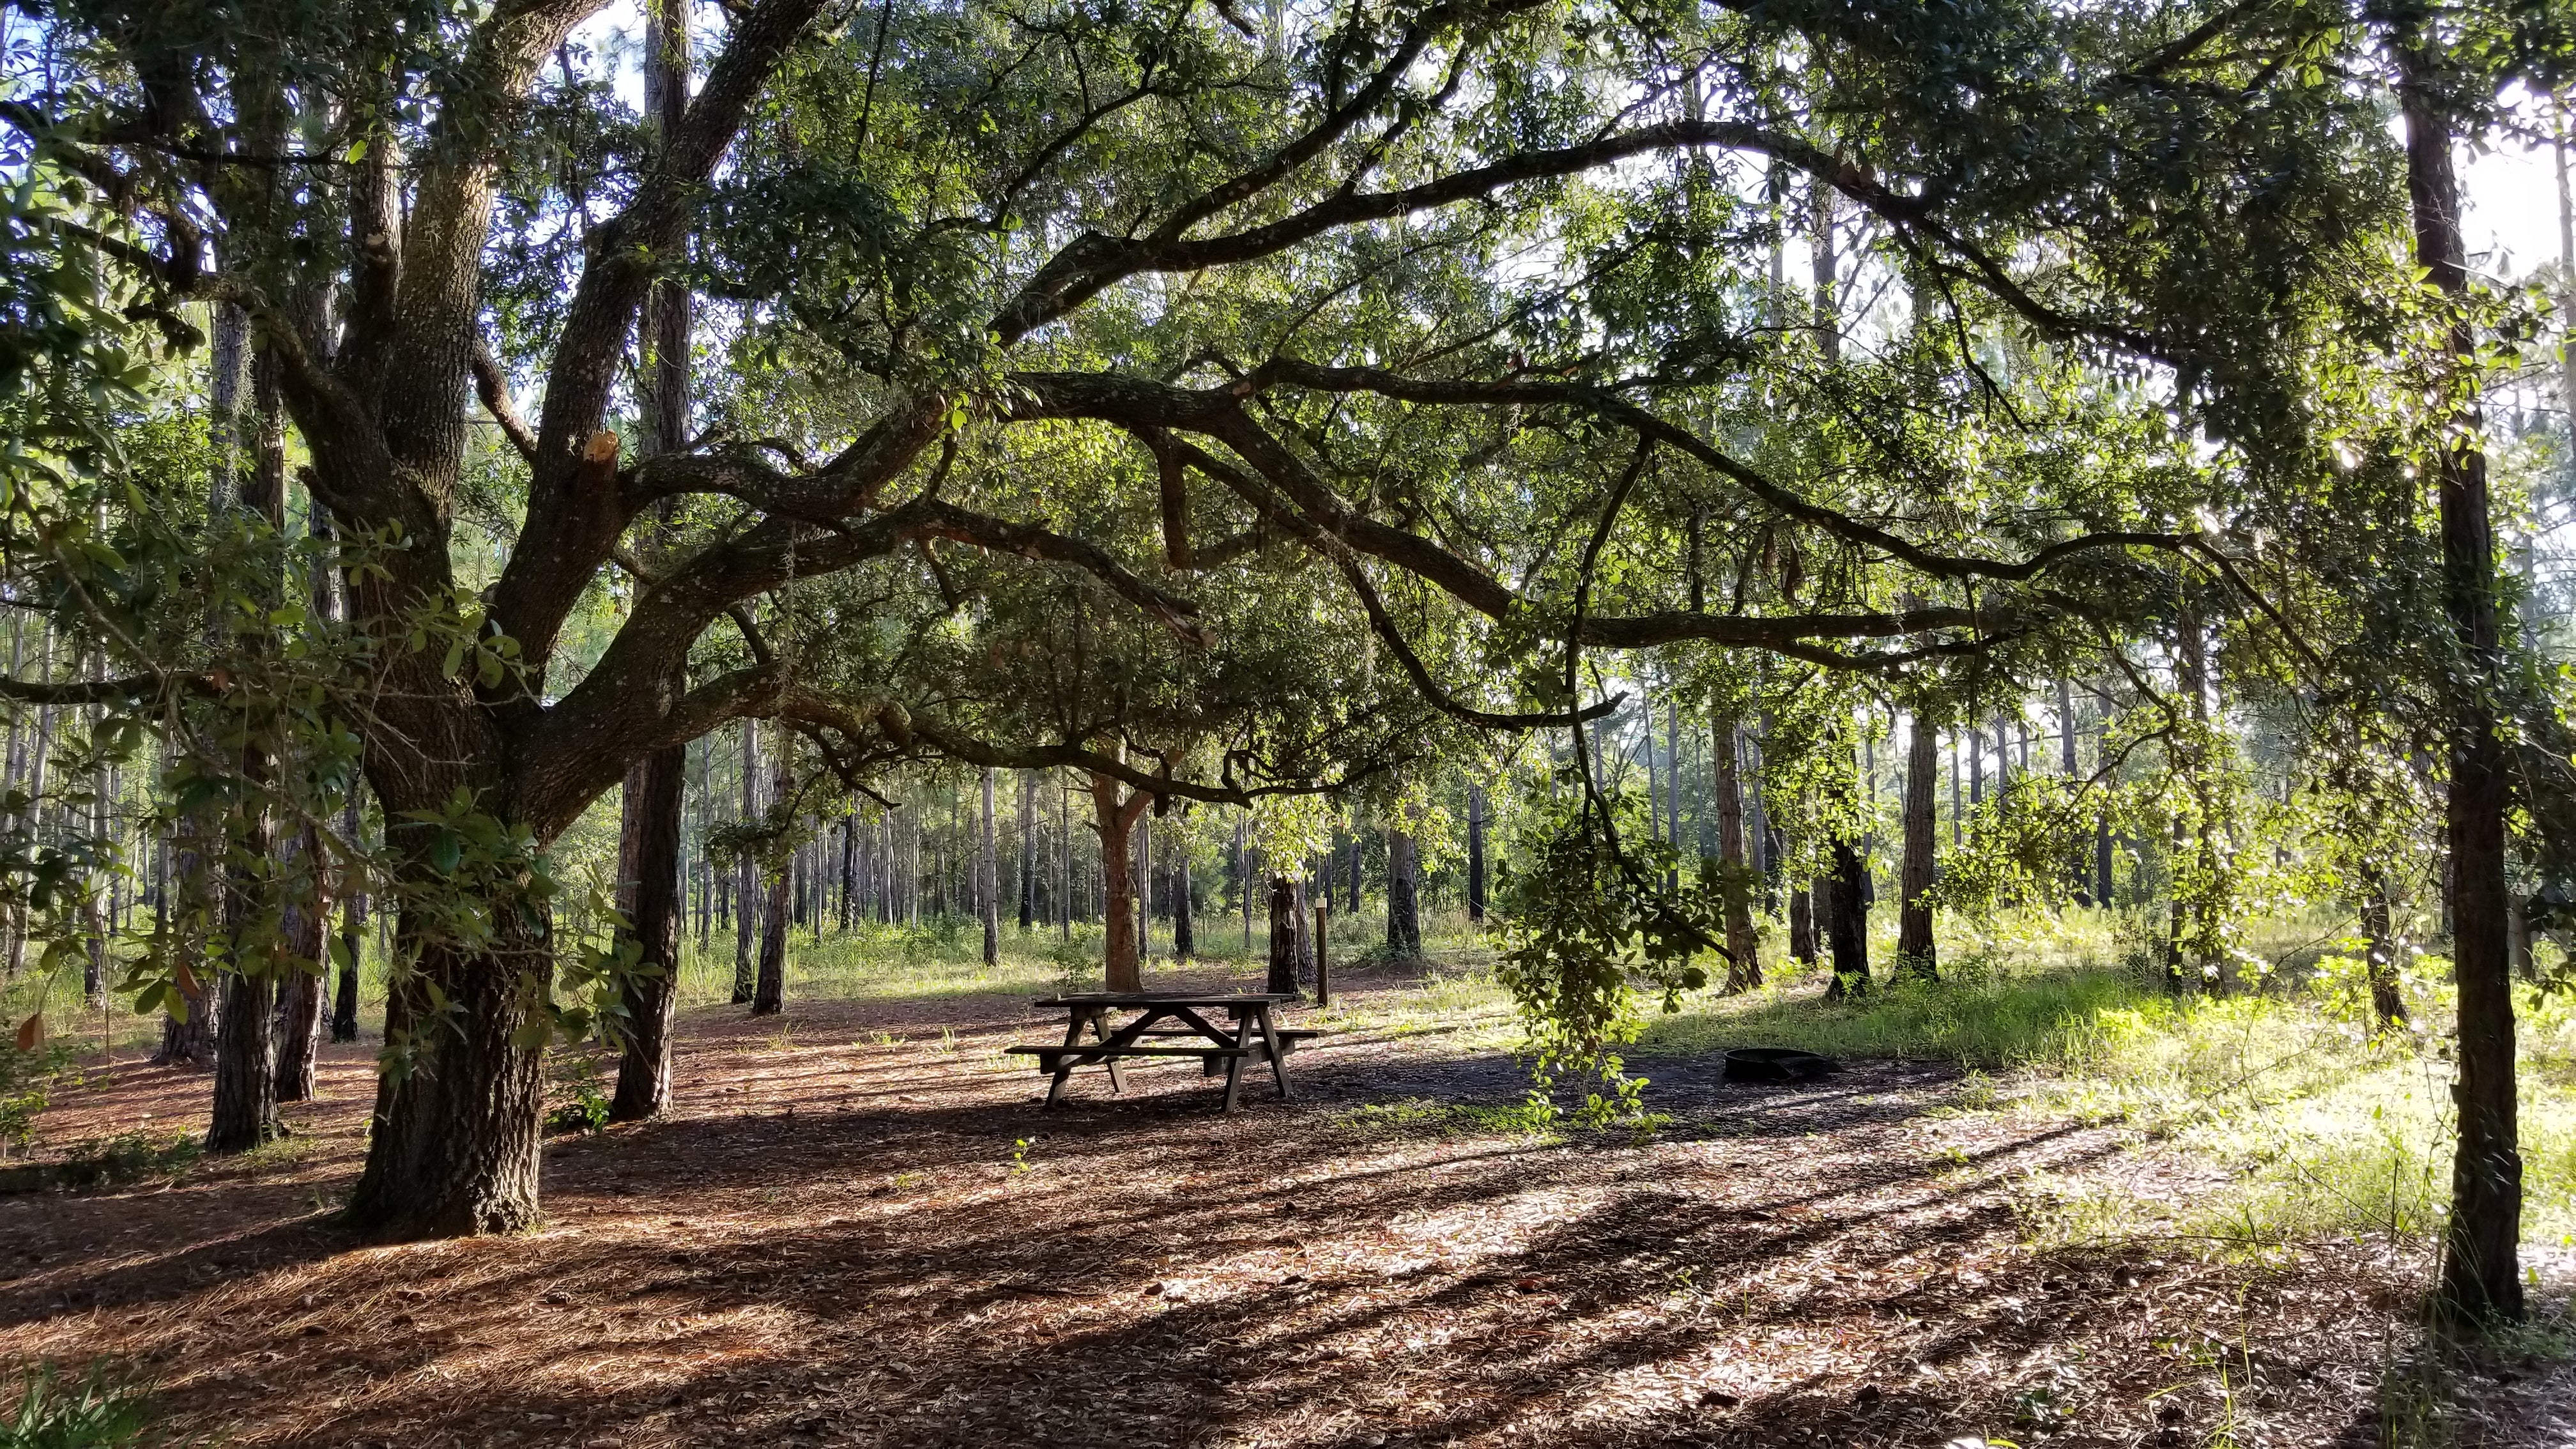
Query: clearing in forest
(858,1227)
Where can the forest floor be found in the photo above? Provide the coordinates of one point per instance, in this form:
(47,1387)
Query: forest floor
(858,1226)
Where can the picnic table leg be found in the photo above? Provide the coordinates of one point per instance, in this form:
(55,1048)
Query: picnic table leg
(1243,1024)
(1064,1064)
(1100,1030)
(1270,1041)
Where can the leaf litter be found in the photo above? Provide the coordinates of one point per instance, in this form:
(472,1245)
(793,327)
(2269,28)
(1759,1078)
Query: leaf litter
(857,1227)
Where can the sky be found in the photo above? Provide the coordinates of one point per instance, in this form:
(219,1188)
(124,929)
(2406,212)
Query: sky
(2512,210)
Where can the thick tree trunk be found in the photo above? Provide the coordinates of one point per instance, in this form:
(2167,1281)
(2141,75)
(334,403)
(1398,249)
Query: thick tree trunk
(454,1145)
(1292,946)
(1844,904)
(1744,968)
(2480,1272)
(1802,926)
(245,1111)
(651,850)
(1403,895)
(1915,952)
(1116,817)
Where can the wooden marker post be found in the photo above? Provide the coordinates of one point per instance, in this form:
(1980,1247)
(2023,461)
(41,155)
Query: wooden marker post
(1323,970)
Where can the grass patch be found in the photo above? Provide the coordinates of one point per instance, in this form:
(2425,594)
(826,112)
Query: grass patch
(2274,1113)
(1417,1117)
(108,1163)
(55,1413)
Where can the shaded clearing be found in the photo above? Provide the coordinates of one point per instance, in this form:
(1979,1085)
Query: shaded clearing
(840,1240)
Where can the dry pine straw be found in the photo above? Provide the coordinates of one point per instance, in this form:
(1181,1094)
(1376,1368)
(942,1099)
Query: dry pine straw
(842,1243)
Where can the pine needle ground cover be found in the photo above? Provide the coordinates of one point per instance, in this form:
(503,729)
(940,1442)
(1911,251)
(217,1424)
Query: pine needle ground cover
(2021,1215)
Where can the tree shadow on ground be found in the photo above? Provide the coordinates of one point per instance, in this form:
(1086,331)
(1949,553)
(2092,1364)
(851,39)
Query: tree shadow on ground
(803,1255)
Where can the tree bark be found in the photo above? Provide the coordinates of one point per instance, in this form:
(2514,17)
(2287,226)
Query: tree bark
(454,1145)
(769,988)
(1744,969)
(1403,899)
(2481,1276)
(307,933)
(1845,905)
(1475,852)
(245,1106)
(1028,851)
(1915,951)
(1185,934)
(353,935)
(1292,946)
(649,993)
(989,885)
(746,872)
(2382,950)
(1115,814)
(1802,926)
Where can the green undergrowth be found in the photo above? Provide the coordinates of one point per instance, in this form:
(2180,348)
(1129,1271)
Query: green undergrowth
(94,1411)
(2270,1115)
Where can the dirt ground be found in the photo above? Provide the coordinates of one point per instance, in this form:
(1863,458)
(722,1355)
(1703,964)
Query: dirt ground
(838,1238)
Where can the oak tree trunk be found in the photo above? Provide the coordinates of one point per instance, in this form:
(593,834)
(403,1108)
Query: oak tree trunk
(1292,946)
(1115,814)
(1845,907)
(454,1144)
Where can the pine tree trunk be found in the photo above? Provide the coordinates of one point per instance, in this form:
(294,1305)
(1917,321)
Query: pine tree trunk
(650,992)
(307,937)
(353,935)
(1403,900)
(245,1106)
(1915,952)
(769,987)
(745,875)
(2481,1276)
(1028,851)
(1744,970)
(1475,852)
(989,886)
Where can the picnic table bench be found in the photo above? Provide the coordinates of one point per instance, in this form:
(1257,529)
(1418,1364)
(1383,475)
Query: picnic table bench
(1168,1026)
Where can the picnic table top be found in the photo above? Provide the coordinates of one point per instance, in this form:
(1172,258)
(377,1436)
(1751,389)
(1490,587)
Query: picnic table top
(1156,998)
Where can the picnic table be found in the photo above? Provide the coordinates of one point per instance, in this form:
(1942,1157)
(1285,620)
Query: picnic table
(1168,1026)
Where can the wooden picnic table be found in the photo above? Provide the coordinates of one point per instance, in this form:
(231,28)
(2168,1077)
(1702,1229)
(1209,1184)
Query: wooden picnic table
(1168,1026)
